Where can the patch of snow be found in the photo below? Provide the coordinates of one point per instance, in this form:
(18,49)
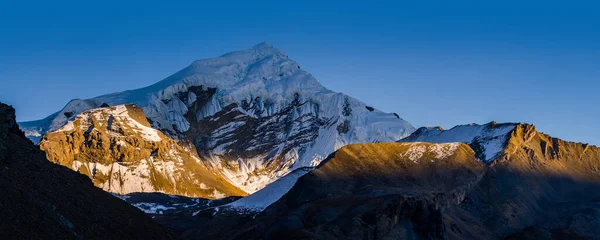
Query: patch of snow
(414,152)
(417,150)
(147,133)
(217,194)
(32,133)
(67,127)
(118,113)
(216,211)
(443,150)
(204,186)
(152,208)
(121,143)
(491,137)
(123,179)
(122,197)
(261,199)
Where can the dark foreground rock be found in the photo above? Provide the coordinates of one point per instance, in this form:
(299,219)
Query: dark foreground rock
(42,200)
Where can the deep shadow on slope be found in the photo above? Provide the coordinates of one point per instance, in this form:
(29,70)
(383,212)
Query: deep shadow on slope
(41,200)
(509,203)
(539,188)
(539,184)
(362,191)
(562,208)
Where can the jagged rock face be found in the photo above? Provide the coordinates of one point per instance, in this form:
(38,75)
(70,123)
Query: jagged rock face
(536,186)
(253,115)
(41,200)
(121,153)
(7,120)
(540,184)
(251,150)
(533,152)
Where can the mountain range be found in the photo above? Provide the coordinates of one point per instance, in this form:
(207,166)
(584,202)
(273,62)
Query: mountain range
(250,146)
(536,187)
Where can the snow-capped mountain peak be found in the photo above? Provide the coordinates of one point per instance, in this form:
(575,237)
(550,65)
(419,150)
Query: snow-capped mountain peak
(252,115)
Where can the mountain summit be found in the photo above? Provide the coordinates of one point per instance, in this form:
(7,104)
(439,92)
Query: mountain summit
(252,116)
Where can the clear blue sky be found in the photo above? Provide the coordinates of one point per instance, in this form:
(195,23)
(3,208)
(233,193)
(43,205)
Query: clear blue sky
(434,63)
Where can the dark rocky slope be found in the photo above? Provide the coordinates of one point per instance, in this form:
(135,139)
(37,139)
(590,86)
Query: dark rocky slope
(371,191)
(537,187)
(540,187)
(42,200)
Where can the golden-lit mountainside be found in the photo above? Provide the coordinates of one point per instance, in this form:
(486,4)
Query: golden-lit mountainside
(537,187)
(366,191)
(533,152)
(401,166)
(540,188)
(116,147)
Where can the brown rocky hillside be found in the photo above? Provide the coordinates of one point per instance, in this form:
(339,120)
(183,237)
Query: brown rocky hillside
(116,147)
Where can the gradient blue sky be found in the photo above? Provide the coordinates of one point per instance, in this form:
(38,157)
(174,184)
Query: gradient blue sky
(434,63)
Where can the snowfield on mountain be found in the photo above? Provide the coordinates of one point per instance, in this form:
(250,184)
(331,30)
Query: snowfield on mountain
(252,116)
(261,199)
(487,140)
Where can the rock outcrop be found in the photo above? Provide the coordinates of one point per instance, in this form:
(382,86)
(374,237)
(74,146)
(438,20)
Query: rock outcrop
(121,153)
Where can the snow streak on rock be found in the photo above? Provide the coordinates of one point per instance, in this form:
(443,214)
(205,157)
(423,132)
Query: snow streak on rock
(486,140)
